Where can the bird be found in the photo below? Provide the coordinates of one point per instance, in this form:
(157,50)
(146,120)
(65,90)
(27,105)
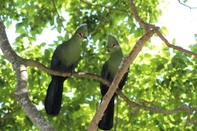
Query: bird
(108,72)
(64,59)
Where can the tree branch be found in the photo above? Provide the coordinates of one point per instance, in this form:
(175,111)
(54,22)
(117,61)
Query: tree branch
(22,93)
(64,74)
(173,46)
(153,109)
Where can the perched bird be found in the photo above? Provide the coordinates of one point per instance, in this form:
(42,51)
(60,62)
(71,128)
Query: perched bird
(109,70)
(64,59)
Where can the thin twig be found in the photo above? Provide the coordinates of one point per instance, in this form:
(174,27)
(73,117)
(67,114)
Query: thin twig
(58,15)
(187,5)
(173,46)
(152,109)
(147,102)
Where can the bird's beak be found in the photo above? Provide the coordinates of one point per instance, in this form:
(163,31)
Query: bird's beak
(85,37)
(107,47)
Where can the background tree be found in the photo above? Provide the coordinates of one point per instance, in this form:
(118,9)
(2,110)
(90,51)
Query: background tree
(162,82)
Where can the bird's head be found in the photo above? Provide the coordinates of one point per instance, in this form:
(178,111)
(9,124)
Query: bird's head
(112,44)
(82,31)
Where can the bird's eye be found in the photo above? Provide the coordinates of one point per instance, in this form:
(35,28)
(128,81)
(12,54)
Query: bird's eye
(80,34)
(113,45)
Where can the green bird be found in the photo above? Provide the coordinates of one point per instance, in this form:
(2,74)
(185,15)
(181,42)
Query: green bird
(108,72)
(64,59)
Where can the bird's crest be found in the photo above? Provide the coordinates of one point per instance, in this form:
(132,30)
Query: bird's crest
(82,31)
(112,42)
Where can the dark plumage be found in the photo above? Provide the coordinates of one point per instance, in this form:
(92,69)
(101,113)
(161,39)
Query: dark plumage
(64,59)
(108,72)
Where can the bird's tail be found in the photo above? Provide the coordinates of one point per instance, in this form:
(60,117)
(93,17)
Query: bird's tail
(106,122)
(53,98)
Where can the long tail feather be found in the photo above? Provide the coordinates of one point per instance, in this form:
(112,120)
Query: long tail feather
(106,122)
(53,98)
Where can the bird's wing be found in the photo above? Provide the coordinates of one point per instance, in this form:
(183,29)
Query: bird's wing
(123,80)
(55,62)
(105,74)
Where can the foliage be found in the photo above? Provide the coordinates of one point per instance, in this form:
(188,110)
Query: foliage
(158,75)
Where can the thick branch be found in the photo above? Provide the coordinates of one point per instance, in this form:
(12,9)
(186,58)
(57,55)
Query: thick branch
(5,45)
(22,93)
(138,19)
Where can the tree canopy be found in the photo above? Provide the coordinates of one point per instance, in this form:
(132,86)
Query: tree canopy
(162,81)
